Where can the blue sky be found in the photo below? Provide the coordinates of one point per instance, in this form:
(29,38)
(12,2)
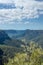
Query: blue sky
(21,14)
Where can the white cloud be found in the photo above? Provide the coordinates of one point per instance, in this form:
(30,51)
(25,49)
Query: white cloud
(5,1)
(24,9)
(27,22)
(41,12)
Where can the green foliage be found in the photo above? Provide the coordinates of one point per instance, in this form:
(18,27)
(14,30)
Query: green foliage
(32,56)
(18,50)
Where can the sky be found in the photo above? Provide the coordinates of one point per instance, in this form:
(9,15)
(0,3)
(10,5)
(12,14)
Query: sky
(21,14)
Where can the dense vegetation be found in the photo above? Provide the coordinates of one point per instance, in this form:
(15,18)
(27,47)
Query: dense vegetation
(21,47)
(31,54)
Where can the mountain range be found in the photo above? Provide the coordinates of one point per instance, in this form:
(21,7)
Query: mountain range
(18,37)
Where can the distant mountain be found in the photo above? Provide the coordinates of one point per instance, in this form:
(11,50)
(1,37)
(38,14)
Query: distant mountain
(3,37)
(15,33)
(6,40)
(17,37)
(27,35)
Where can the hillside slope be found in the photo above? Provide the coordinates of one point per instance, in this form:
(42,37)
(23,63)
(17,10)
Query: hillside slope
(27,35)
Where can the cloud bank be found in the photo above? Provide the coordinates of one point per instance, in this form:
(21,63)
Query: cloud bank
(19,10)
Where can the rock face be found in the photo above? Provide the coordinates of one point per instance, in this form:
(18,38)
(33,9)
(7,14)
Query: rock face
(3,36)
